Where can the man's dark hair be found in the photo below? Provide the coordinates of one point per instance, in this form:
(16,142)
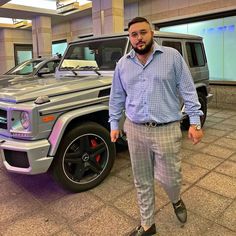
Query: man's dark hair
(137,20)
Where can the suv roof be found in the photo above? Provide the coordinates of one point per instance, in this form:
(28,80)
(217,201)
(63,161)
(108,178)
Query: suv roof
(156,33)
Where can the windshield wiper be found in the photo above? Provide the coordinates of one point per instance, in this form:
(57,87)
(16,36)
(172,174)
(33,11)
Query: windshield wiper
(81,68)
(68,68)
(90,68)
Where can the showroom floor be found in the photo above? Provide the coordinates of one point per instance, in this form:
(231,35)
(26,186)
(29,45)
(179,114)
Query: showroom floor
(35,205)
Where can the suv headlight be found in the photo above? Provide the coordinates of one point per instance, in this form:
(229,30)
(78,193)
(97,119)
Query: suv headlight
(25,119)
(21,123)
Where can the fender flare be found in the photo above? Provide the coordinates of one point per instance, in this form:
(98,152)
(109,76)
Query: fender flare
(200,86)
(64,120)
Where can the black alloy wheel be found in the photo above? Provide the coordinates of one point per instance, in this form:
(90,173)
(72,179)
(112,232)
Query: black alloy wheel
(84,158)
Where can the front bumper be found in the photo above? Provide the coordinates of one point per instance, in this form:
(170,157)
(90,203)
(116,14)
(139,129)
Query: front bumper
(25,157)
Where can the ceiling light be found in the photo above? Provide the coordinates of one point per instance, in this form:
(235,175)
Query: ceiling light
(47,4)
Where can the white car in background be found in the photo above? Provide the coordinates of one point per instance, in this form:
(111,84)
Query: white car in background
(30,69)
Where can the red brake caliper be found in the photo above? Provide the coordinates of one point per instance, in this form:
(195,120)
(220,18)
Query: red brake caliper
(94,144)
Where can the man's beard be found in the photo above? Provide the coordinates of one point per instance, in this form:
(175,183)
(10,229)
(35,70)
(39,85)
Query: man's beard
(144,50)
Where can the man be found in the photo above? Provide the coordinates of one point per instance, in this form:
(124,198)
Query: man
(147,83)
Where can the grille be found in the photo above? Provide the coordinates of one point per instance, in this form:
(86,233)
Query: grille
(3,119)
(16,158)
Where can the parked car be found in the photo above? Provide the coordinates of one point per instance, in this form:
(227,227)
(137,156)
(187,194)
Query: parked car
(30,69)
(61,123)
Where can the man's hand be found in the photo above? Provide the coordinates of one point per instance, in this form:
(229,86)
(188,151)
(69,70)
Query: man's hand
(195,135)
(114,135)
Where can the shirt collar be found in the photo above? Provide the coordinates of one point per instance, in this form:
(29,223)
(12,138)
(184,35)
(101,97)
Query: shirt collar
(156,48)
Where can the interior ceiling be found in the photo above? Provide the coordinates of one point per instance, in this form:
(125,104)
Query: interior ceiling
(2,2)
(15,11)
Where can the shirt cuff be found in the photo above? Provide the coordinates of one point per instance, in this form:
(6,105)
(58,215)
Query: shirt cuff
(195,120)
(114,125)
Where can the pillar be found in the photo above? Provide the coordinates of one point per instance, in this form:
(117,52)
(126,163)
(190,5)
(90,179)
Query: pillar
(108,16)
(42,36)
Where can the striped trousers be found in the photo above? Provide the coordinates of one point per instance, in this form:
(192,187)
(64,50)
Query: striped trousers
(154,153)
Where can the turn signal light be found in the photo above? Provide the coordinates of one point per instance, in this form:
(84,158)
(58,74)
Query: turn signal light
(48,118)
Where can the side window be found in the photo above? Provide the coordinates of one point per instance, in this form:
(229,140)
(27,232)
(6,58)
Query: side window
(51,65)
(196,55)
(173,44)
(27,69)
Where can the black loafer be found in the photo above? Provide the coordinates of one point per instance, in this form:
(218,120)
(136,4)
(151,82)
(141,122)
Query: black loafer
(139,231)
(180,211)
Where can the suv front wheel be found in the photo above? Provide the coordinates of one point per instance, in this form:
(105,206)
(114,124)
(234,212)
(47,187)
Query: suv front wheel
(84,157)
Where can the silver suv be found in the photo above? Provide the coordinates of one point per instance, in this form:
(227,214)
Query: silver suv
(61,124)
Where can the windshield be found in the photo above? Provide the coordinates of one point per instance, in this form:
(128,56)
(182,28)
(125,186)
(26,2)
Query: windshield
(103,53)
(24,68)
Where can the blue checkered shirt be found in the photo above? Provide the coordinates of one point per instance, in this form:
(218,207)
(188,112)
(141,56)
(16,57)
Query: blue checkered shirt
(154,91)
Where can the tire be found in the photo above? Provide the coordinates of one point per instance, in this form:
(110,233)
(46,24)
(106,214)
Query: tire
(203,101)
(84,158)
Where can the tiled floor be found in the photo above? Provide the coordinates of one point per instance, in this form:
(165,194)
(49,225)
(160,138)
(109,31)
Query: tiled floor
(35,205)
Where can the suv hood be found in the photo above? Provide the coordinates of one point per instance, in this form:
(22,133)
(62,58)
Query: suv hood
(8,80)
(28,90)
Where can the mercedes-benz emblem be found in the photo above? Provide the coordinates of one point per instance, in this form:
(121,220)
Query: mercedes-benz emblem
(85,157)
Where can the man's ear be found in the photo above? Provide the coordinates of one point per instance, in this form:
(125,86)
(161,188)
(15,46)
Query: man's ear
(152,32)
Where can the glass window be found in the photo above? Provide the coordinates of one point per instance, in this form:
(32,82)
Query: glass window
(59,47)
(24,68)
(51,65)
(195,54)
(219,42)
(22,52)
(173,44)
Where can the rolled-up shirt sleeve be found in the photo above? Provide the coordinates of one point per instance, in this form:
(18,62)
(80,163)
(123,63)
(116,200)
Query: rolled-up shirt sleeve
(188,91)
